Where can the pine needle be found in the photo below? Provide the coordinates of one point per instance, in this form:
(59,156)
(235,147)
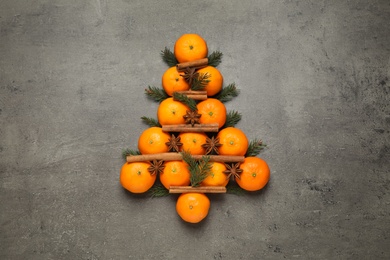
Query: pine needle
(158,190)
(156,94)
(200,82)
(232,118)
(228,93)
(255,147)
(204,171)
(150,121)
(215,58)
(199,170)
(168,57)
(128,152)
(185,100)
(192,163)
(234,189)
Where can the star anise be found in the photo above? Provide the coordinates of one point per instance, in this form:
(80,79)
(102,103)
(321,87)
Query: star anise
(174,143)
(192,117)
(233,171)
(212,144)
(156,167)
(189,75)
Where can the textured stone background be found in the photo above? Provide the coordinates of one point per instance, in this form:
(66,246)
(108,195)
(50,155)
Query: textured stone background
(315,82)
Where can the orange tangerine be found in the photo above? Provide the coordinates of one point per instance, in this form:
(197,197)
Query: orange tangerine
(216,176)
(152,140)
(215,80)
(171,112)
(190,47)
(172,81)
(212,111)
(192,142)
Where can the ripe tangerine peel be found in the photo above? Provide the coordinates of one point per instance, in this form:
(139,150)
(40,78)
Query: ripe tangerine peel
(215,80)
(212,111)
(255,175)
(152,140)
(171,112)
(233,140)
(192,142)
(216,176)
(175,173)
(136,178)
(193,207)
(190,47)
(172,81)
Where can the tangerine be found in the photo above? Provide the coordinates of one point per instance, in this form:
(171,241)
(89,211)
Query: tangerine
(212,111)
(172,81)
(171,112)
(216,176)
(233,140)
(190,47)
(136,178)
(193,207)
(192,142)
(215,80)
(175,173)
(152,140)
(255,175)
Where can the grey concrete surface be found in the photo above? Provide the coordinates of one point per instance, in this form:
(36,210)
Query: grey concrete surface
(315,82)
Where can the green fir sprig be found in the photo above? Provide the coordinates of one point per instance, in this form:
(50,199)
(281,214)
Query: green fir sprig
(228,93)
(150,121)
(255,147)
(204,171)
(128,152)
(200,82)
(232,118)
(190,103)
(158,190)
(199,169)
(215,58)
(169,57)
(234,189)
(156,94)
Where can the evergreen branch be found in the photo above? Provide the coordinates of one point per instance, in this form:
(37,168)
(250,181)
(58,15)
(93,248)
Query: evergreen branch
(215,58)
(228,93)
(185,100)
(234,189)
(150,121)
(168,57)
(199,170)
(204,169)
(128,152)
(156,94)
(255,147)
(192,163)
(200,82)
(232,118)
(158,190)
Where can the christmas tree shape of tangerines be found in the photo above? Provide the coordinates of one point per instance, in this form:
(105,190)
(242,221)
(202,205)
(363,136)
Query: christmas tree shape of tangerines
(193,146)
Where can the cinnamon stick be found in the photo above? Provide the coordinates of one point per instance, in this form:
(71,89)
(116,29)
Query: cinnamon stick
(151,157)
(222,158)
(177,156)
(202,189)
(193,94)
(193,64)
(189,128)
